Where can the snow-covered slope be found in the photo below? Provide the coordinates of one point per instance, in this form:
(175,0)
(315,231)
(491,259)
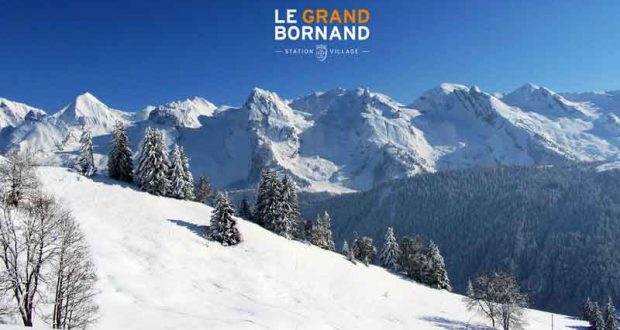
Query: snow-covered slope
(467,127)
(366,137)
(157,272)
(13,113)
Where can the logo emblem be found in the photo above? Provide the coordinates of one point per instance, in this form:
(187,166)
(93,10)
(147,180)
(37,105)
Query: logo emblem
(321,52)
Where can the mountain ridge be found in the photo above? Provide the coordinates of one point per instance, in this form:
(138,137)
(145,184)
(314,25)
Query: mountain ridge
(347,139)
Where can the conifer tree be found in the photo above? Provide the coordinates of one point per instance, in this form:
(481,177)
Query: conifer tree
(364,250)
(413,258)
(244,209)
(176,175)
(203,190)
(120,162)
(436,275)
(348,252)
(189,192)
(598,322)
(181,180)
(588,310)
(289,207)
(86,161)
(322,232)
(266,207)
(223,227)
(611,322)
(390,253)
(153,164)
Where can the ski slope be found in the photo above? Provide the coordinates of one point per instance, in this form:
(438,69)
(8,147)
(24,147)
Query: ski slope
(157,272)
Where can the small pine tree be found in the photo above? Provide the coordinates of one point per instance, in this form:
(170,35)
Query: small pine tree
(598,322)
(436,275)
(289,208)
(86,161)
(203,190)
(364,250)
(181,180)
(347,252)
(176,174)
(244,209)
(611,322)
(322,233)
(390,253)
(120,162)
(588,310)
(413,259)
(189,192)
(345,248)
(153,164)
(223,227)
(267,209)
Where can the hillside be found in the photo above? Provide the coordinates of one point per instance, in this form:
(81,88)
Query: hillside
(554,227)
(157,272)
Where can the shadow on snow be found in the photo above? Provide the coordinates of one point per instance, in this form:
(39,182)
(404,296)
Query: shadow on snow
(196,229)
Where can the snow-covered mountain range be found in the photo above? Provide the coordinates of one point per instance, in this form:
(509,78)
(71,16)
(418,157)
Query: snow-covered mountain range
(341,140)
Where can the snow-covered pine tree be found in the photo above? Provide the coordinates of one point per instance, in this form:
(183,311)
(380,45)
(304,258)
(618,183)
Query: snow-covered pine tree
(120,162)
(390,253)
(354,247)
(347,252)
(598,322)
(86,161)
(266,206)
(322,232)
(203,190)
(153,164)
(189,192)
(364,250)
(436,275)
(588,310)
(289,208)
(611,321)
(223,227)
(244,209)
(413,258)
(176,174)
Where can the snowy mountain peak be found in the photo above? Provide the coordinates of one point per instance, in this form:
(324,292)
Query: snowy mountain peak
(181,113)
(86,110)
(14,113)
(450,97)
(540,99)
(265,103)
(448,88)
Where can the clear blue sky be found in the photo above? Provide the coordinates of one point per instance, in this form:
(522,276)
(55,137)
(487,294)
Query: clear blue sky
(134,53)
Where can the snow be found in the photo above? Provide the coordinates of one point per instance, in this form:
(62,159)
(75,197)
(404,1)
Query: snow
(181,113)
(86,110)
(14,113)
(157,272)
(341,140)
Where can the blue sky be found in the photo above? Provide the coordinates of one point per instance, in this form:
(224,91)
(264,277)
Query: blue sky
(133,53)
